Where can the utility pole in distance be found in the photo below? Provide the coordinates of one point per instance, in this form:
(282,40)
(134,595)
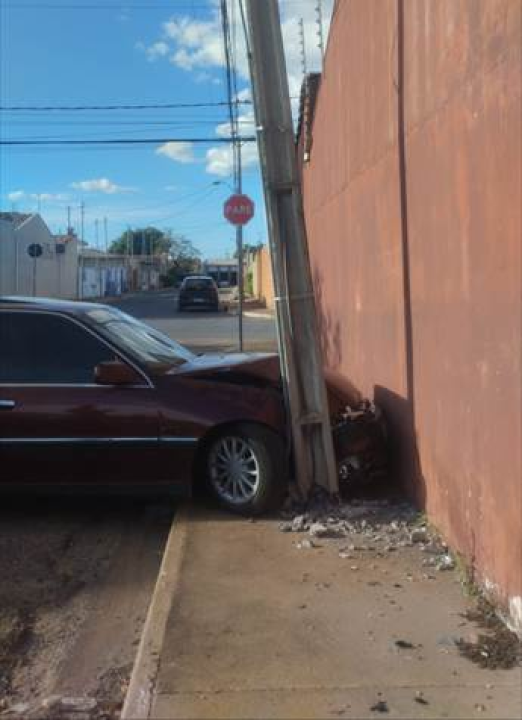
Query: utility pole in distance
(301,359)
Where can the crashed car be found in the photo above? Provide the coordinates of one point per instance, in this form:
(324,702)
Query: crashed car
(92,398)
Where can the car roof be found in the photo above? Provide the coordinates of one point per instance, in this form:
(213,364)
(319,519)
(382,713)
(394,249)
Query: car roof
(43,303)
(198,277)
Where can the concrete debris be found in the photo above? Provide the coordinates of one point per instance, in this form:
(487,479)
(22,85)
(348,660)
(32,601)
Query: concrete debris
(445,562)
(333,529)
(419,535)
(373,526)
(299,524)
(78,704)
(16,710)
(305,544)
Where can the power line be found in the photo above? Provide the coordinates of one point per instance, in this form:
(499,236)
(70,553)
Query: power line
(77,108)
(121,7)
(126,141)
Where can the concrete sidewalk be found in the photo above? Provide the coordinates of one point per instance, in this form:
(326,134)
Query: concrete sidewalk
(257,626)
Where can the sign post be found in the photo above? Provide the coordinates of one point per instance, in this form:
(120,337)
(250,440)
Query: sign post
(35,251)
(239,210)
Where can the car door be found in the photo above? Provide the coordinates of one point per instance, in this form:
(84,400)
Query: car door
(57,425)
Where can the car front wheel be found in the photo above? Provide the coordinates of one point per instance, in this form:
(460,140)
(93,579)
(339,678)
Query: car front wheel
(247,470)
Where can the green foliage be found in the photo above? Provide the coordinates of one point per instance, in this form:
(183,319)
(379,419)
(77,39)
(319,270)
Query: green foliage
(250,248)
(142,241)
(249,284)
(184,257)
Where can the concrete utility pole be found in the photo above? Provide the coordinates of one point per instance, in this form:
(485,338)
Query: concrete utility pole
(81,248)
(237,157)
(300,351)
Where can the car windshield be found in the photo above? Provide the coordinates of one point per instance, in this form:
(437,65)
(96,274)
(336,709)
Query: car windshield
(141,341)
(199,284)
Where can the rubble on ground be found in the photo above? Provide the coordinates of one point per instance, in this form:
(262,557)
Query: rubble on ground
(380,526)
(57,707)
(361,529)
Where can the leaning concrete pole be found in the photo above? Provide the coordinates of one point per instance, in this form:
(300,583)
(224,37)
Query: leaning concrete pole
(301,359)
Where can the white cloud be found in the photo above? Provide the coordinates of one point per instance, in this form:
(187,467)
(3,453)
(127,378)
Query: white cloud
(182,152)
(246,125)
(48,197)
(16,195)
(100,185)
(193,44)
(220,159)
(197,46)
(157,50)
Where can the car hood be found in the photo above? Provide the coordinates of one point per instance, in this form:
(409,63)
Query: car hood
(263,366)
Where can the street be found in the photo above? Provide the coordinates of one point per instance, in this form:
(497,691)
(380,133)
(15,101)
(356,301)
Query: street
(201,330)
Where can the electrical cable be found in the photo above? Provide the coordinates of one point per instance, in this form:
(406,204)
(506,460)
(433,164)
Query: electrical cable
(124,141)
(82,108)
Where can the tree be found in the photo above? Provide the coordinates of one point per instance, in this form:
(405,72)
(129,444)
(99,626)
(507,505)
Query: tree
(142,241)
(250,248)
(185,259)
(182,254)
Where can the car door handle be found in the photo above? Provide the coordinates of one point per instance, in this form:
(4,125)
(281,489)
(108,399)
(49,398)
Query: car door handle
(7,404)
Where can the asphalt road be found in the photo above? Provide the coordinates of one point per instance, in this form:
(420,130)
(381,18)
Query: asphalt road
(201,330)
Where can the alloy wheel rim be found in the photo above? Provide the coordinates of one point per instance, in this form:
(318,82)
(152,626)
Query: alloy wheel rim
(234,470)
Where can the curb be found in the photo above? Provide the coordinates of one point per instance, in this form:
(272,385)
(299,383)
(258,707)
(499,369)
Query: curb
(257,314)
(139,696)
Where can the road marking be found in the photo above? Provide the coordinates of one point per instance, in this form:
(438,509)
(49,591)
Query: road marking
(138,700)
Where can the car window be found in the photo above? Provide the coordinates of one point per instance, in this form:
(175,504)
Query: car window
(142,342)
(42,348)
(199,284)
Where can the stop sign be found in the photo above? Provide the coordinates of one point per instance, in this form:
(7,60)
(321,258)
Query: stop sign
(239,209)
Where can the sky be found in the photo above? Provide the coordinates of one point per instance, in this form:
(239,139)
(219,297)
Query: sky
(141,52)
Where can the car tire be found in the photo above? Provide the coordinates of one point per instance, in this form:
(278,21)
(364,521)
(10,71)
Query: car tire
(246,469)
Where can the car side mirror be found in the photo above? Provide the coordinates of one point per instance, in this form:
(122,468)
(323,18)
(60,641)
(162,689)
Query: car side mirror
(115,372)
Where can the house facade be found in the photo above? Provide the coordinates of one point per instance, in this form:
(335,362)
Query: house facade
(53,273)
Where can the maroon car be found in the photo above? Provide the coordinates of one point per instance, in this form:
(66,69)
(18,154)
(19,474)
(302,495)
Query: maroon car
(91,397)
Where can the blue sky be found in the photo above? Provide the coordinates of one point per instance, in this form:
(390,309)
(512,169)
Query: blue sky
(103,52)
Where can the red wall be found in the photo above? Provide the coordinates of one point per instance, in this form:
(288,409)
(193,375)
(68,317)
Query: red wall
(413,208)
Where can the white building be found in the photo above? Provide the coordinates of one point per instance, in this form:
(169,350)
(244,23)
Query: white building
(101,275)
(223,271)
(53,273)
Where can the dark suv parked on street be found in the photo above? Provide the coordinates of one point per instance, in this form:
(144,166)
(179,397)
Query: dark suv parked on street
(199,291)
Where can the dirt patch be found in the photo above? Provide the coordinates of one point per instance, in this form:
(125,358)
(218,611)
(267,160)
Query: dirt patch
(65,582)
(16,636)
(498,647)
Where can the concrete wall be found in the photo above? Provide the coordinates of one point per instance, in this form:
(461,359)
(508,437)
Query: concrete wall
(263,283)
(52,275)
(412,202)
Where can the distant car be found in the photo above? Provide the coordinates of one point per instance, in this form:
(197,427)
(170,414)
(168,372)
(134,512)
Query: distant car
(92,398)
(198,291)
